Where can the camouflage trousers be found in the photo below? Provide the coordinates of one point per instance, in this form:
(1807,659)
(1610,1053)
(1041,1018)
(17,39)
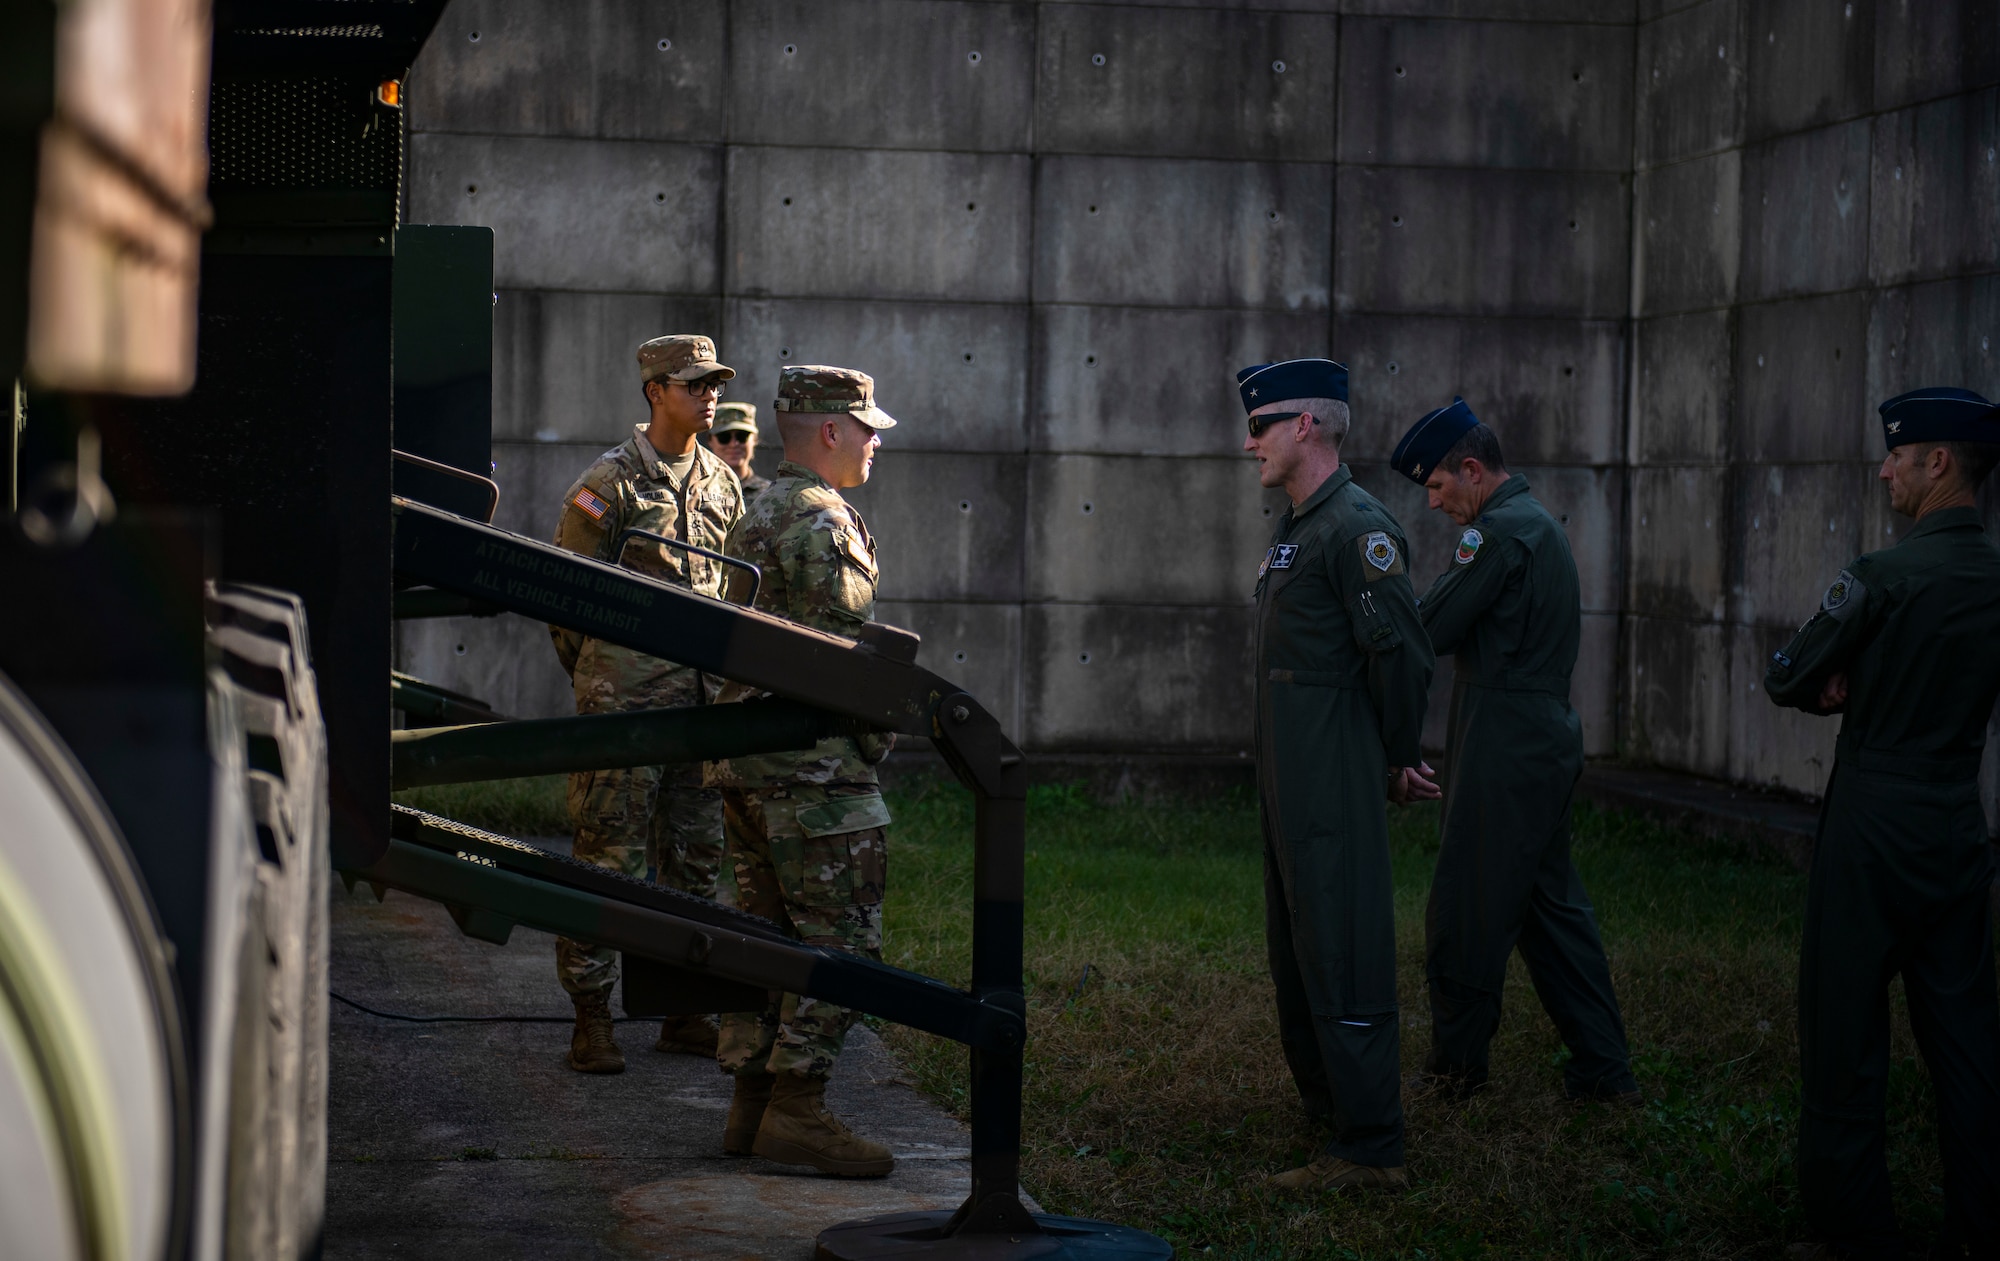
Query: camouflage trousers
(640,818)
(812,860)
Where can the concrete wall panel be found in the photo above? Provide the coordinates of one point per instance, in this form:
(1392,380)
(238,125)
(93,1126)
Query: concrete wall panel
(1202,83)
(1129,530)
(1552,389)
(1805,212)
(1768,744)
(1129,678)
(977,646)
(1482,242)
(573,68)
(1610,12)
(882,74)
(1690,234)
(1146,380)
(1238,234)
(1679,695)
(1690,90)
(1927,48)
(1800,370)
(576,214)
(1490,94)
(946,527)
(812,223)
(1593,685)
(954,375)
(534,477)
(1811,62)
(1936,204)
(1679,532)
(1944,333)
(506,661)
(1796,526)
(1686,388)
(563,362)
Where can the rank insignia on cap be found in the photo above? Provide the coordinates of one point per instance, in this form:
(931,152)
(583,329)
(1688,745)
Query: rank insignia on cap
(1378,551)
(1468,546)
(1281,557)
(592,506)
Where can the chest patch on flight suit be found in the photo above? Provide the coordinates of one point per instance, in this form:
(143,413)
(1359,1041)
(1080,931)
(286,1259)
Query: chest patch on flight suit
(1283,554)
(1469,544)
(592,506)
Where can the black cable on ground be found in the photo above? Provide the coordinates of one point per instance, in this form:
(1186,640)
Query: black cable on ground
(472,1020)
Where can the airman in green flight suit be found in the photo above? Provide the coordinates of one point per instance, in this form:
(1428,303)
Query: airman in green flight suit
(1905,644)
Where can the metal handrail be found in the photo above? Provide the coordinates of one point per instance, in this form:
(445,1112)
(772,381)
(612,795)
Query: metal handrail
(464,475)
(756,574)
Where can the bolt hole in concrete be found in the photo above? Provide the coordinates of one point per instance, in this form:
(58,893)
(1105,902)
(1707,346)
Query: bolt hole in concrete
(790,49)
(1093,210)
(1083,658)
(473,38)
(1565,518)
(1088,507)
(1277,67)
(973,57)
(1272,215)
(1568,371)
(788,201)
(784,352)
(1267,510)
(1576,76)
(460,650)
(659,197)
(959,657)
(1572,225)
(471,190)
(1395,221)
(965,505)
(970,206)
(968,356)
(1394,367)
(1097,59)
(1399,72)
(1090,361)
(664,45)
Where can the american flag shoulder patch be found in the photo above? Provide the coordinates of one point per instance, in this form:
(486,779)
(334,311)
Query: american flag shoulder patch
(594,507)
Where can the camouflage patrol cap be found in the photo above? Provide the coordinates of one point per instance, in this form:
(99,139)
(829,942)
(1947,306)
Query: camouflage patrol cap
(680,357)
(735,418)
(812,387)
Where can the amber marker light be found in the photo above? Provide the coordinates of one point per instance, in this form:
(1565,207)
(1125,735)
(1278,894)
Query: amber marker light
(389,92)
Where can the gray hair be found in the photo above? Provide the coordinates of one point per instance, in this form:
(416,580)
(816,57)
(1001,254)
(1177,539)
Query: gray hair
(1331,414)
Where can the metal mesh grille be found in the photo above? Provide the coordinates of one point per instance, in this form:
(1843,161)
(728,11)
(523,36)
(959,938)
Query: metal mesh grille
(302,133)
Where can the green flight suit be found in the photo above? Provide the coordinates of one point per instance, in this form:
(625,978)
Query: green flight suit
(1902,877)
(1342,670)
(1509,606)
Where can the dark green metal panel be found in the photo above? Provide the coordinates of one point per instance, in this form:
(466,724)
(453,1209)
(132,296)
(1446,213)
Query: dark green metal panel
(443,327)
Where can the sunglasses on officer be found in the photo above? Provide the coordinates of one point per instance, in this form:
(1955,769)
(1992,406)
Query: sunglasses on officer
(1264,420)
(733,436)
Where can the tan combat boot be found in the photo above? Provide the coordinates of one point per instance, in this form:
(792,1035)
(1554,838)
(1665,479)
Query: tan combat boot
(746,1111)
(1331,1173)
(687,1035)
(591,1049)
(798,1130)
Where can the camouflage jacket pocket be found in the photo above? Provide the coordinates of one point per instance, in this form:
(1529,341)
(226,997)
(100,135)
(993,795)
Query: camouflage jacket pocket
(837,815)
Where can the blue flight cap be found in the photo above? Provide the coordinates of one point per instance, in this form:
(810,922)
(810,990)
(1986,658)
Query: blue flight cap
(1939,413)
(1266,383)
(1431,438)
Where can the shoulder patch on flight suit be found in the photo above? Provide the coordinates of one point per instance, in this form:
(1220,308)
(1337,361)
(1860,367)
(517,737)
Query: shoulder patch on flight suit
(1469,544)
(1380,553)
(1843,596)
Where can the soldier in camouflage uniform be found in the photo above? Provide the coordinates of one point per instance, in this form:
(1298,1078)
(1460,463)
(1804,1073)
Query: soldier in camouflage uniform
(806,829)
(734,438)
(662,481)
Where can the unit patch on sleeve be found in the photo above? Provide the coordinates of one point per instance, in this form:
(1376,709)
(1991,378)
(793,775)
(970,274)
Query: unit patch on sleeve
(1282,555)
(1378,550)
(592,506)
(1843,596)
(1468,546)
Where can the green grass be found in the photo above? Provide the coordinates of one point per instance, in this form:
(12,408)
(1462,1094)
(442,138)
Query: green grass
(1156,1094)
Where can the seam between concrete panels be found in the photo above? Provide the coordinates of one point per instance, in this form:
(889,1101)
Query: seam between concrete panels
(1744,143)
(1891,286)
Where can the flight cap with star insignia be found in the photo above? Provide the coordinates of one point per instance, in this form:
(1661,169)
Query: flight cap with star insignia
(1939,413)
(1431,439)
(1262,384)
